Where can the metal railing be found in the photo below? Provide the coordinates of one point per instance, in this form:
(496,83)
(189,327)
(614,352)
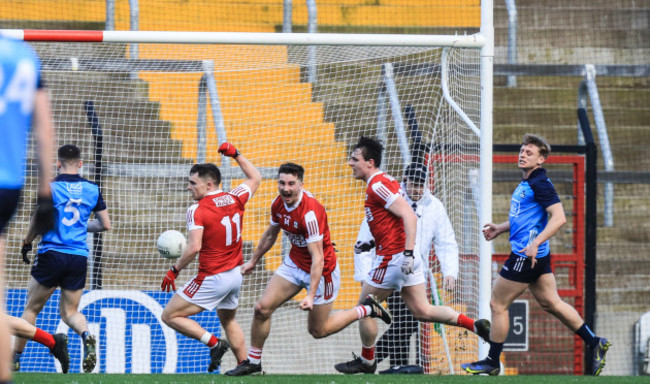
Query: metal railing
(589,90)
(512,39)
(388,90)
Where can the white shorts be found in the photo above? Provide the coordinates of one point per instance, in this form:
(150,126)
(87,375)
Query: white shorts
(327,291)
(362,265)
(391,276)
(220,291)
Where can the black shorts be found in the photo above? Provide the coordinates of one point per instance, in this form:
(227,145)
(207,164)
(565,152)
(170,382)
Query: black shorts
(518,268)
(56,269)
(8,203)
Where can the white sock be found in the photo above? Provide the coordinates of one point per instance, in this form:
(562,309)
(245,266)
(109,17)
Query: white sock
(205,339)
(254,355)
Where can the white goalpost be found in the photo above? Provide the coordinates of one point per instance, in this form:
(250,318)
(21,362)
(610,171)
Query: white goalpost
(141,122)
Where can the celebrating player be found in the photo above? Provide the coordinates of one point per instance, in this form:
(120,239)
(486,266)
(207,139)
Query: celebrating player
(311,264)
(433,228)
(58,343)
(214,226)
(25,103)
(397,265)
(529,264)
(62,256)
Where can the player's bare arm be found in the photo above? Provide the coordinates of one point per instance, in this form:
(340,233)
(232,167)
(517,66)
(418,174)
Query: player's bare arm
(252,173)
(491,230)
(315,274)
(401,209)
(194,242)
(31,232)
(267,240)
(101,223)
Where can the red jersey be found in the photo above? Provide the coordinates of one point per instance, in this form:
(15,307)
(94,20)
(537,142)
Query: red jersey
(221,215)
(386,228)
(304,223)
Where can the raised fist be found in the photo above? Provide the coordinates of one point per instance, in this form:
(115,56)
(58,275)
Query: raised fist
(229,150)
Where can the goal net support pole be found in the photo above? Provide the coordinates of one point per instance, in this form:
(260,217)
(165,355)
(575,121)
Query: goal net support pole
(485,172)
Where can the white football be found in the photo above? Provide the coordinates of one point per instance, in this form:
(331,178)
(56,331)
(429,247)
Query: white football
(171,244)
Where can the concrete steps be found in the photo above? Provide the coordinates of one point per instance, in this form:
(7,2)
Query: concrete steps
(559,33)
(536,17)
(504,115)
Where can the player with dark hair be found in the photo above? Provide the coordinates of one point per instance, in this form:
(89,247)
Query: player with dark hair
(25,105)
(398,264)
(58,343)
(433,228)
(214,225)
(529,264)
(311,265)
(62,257)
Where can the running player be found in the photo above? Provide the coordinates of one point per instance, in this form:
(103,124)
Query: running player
(62,257)
(214,226)
(433,229)
(396,266)
(529,264)
(311,264)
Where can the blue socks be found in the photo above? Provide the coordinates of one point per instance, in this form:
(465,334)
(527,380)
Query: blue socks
(495,352)
(587,335)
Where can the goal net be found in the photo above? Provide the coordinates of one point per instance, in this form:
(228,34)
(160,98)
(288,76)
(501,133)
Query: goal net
(143,116)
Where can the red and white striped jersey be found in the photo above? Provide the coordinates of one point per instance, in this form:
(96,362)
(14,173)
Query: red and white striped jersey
(386,228)
(221,215)
(304,223)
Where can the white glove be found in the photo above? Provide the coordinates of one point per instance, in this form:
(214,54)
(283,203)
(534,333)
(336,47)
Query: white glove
(407,262)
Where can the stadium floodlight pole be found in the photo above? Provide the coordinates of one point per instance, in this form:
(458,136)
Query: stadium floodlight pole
(485,177)
(254,38)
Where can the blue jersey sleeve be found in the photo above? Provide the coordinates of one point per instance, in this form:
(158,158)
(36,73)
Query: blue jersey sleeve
(20,76)
(544,192)
(101,205)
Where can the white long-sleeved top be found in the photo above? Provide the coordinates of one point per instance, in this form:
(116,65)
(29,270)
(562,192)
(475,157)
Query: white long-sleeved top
(433,228)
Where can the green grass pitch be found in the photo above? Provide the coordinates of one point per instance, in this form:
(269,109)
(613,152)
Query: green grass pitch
(46,378)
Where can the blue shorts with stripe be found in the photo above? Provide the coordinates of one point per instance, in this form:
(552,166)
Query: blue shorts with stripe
(518,268)
(56,269)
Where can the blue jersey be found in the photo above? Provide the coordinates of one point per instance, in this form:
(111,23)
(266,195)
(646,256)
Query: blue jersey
(528,215)
(75,198)
(19,80)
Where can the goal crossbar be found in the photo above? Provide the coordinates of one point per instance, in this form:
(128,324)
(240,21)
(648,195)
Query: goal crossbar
(460,41)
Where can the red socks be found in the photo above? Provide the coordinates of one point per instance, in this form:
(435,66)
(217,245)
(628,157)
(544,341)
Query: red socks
(465,322)
(44,338)
(368,353)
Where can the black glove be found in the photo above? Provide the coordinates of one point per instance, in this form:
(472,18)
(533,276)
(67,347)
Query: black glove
(45,215)
(27,247)
(363,246)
